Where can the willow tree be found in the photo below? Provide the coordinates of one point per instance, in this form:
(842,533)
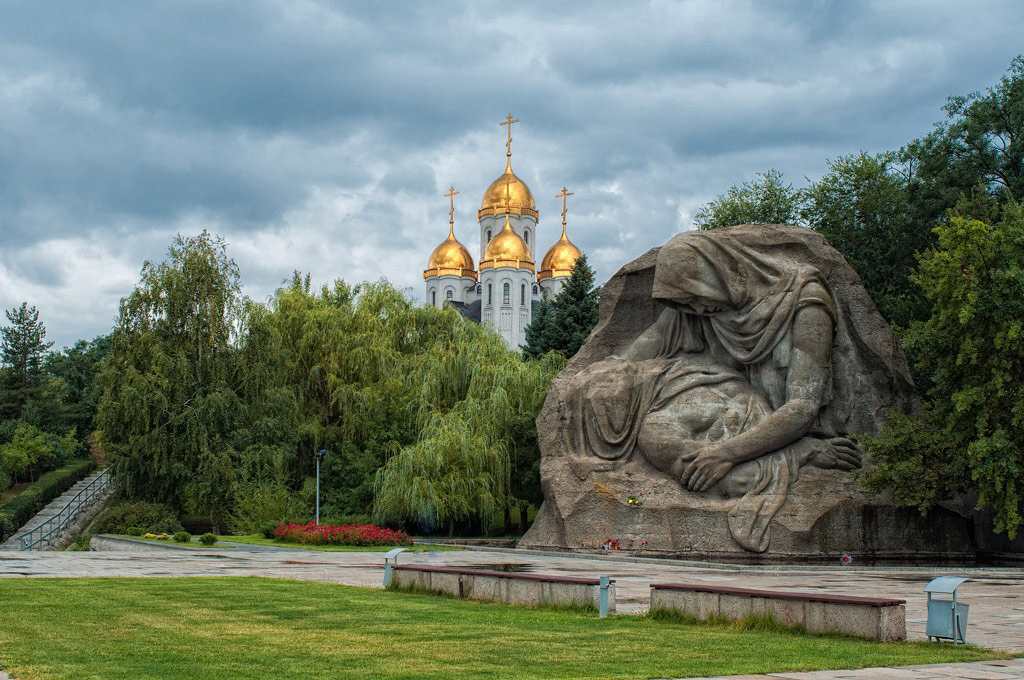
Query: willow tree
(335,358)
(168,413)
(477,446)
(428,417)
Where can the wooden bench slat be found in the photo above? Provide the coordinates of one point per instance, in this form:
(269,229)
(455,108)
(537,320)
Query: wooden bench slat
(502,574)
(782,595)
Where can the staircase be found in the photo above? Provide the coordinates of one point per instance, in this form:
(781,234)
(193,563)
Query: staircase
(55,525)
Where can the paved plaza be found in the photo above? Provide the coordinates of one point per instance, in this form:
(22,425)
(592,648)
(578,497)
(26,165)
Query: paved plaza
(996,596)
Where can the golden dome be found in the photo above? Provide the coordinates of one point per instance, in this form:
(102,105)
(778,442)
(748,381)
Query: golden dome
(560,258)
(508,193)
(450,259)
(507,249)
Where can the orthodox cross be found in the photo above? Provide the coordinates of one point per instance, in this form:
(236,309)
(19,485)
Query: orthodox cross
(452,193)
(508,144)
(565,194)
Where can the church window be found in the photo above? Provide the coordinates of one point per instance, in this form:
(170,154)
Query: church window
(535,289)
(488,293)
(488,235)
(433,298)
(505,295)
(522,295)
(526,236)
(448,294)
(479,289)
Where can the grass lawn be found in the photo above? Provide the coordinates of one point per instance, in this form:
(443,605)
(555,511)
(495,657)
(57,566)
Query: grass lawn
(214,628)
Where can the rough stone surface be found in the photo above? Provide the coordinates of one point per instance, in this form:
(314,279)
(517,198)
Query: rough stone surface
(678,376)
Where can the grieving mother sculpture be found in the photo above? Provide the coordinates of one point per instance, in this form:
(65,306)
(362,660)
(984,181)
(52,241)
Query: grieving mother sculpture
(743,362)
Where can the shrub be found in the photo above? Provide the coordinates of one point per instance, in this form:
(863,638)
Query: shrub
(268,529)
(208,539)
(154,518)
(81,542)
(7,525)
(345,534)
(50,485)
(257,504)
(182,537)
(134,531)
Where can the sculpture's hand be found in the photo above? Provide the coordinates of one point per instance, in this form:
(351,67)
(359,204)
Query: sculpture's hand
(709,465)
(839,453)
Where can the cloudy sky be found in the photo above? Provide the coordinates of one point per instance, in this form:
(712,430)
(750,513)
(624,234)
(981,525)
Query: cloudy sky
(321,136)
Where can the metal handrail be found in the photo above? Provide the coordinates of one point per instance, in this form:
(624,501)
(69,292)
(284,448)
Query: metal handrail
(65,515)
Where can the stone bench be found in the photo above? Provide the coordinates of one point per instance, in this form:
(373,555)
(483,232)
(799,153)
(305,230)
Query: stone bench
(504,586)
(868,617)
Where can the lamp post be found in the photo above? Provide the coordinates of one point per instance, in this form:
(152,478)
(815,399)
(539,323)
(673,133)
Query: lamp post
(319,457)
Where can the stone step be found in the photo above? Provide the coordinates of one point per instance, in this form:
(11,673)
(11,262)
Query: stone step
(53,508)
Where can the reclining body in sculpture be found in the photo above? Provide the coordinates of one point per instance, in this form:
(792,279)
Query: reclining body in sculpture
(729,391)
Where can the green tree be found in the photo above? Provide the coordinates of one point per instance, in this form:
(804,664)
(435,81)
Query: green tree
(970,434)
(980,144)
(766,200)
(564,324)
(30,450)
(538,333)
(169,415)
(390,390)
(26,392)
(477,403)
(861,206)
(23,345)
(77,367)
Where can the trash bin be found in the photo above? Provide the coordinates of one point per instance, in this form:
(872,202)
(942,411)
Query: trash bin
(391,559)
(947,619)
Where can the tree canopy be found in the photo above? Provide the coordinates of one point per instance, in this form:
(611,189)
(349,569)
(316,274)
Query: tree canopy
(563,324)
(43,417)
(214,404)
(971,431)
(766,200)
(169,418)
(862,207)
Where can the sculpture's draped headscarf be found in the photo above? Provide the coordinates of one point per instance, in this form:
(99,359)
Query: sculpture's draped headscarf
(757,296)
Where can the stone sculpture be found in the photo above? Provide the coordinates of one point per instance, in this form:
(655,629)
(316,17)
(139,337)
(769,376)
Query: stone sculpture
(720,394)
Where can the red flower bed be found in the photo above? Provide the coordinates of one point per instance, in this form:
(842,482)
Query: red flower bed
(346,534)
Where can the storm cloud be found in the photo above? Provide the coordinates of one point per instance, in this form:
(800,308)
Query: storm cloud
(321,136)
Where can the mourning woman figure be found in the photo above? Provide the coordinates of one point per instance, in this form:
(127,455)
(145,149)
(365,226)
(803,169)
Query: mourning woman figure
(731,390)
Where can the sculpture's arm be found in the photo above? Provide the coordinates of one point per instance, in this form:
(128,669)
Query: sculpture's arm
(649,343)
(809,365)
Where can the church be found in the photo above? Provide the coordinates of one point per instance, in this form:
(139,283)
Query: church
(505,290)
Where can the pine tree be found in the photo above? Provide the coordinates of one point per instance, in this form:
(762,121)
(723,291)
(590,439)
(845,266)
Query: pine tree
(573,314)
(539,330)
(23,346)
